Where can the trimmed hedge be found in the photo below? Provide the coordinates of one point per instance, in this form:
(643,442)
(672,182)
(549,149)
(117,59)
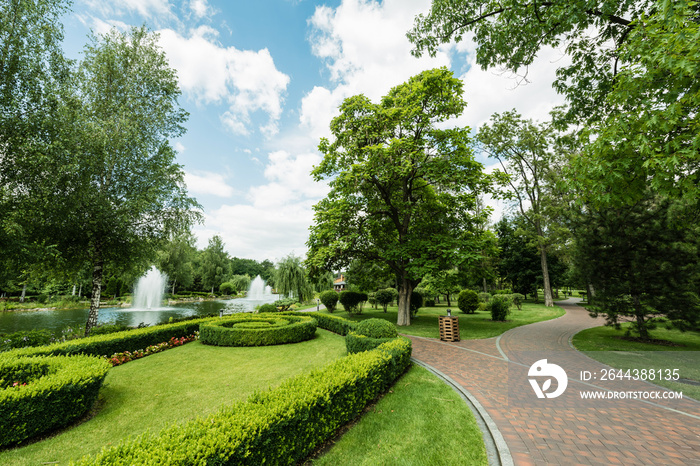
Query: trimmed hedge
(107,345)
(357,343)
(335,324)
(236,330)
(376,328)
(40,394)
(280,426)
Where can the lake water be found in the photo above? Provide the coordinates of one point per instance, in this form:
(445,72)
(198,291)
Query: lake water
(56,320)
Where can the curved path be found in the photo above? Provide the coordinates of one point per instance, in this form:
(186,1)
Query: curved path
(565,430)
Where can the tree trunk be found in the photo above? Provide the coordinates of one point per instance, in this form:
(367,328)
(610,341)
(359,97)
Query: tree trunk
(448,299)
(548,301)
(404,315)
(639,315)
(484,283)
(80,291)
(24,293)
(97,273)
(173,292)
(73,293)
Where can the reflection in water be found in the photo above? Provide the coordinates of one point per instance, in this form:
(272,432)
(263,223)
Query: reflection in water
(76,318)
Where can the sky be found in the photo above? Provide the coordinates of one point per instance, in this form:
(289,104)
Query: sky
(262,81)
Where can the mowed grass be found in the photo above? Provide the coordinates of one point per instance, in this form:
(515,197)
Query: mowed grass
(174,386)
(471,326)
(605,344)
(420,421)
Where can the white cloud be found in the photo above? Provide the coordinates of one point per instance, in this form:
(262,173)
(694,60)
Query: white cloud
(150,9)
(246,81)
(200,8)
(208,183)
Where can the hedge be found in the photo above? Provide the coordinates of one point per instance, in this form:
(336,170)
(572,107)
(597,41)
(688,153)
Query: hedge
(107,345)
(334,324)
(357,343)
(232,331)
(280,426)
(42,393)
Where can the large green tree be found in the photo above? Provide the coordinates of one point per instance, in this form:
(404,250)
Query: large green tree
(214,263)
(175,259)
(291,279)
(117,192)
(403,188)
(525,152)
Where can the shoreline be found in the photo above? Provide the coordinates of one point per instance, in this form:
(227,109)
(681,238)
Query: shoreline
(123,304)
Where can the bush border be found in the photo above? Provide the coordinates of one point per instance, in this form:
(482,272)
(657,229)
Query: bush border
(224,332)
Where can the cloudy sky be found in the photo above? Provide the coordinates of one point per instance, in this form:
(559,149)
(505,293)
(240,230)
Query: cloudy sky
(263,79)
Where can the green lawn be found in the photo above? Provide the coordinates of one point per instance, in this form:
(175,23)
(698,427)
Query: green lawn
(421,421)
(605,345)
(471,326)
(174,386)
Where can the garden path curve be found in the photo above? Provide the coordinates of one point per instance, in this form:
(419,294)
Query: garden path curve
(566,430)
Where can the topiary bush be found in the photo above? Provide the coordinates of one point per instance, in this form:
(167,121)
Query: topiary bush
(267,307)
(376,328)
(517,299)
(276,330)
(351,300)
(468,301)
(416,303)
(329,298)
(499,306)
(40,394)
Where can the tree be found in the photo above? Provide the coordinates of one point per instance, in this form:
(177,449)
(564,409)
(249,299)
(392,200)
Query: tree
(291,279)
(402,188)
(519,259)
(642,261)
(524,152)
(631,85)
(175,260)
(214,263)
(122,174)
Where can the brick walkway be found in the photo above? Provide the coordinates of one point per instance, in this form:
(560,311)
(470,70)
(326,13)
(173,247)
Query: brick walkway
(565,430)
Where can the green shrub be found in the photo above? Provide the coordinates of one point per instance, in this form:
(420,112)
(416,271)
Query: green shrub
(40,394)
(329,298)
(227,288)
(25,338)
(468,301)
(356,343)
(351,300)
(506,291)
(429,303)
(384,297)
(285,304)
(335,324)
(264,308)
(499,307)
(376,328)
(483,307)
(517,300)
(279,330)
(108,328)
(416,303)
(484,297)
(279,426)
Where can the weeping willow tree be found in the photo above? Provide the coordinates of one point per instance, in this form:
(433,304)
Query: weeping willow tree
(291,279)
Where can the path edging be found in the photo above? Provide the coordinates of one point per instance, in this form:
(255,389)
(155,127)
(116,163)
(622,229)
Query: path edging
(496,448)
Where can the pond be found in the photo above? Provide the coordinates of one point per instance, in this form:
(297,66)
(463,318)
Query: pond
(57,320)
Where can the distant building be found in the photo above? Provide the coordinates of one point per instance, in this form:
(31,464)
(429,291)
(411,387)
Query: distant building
(339,283)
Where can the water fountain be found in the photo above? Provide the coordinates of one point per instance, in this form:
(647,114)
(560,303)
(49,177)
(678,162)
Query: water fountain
(258,291)
(149,290)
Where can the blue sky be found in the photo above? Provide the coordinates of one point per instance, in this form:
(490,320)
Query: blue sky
(262,80)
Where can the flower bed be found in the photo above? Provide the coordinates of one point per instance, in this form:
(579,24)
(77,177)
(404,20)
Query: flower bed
(39,394)
(117,359)
(269,329)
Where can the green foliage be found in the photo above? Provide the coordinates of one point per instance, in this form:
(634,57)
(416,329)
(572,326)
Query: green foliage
(403,190)
(227,288)
(236,330)
(105,329)
(517,300)
(357,343)
(283,305)
(416,303)
(331,323)
(280,426)
(468,301)
(385,297)
(429,303)
(267,307)
(26,338)
(351,301)
(484,297)
(499,307)
(376,328)
(291,279)
(329,298)
(58,390)
(214,265)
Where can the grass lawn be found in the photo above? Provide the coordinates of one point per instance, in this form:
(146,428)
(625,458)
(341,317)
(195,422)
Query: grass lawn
(605,345)
(421,421)
(174,386)
(471,326)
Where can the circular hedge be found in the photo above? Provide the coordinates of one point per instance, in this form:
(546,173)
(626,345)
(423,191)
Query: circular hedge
(257,330)
(42,393)
(376,328)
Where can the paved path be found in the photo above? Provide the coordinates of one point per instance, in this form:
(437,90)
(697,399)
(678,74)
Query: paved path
(565,430)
